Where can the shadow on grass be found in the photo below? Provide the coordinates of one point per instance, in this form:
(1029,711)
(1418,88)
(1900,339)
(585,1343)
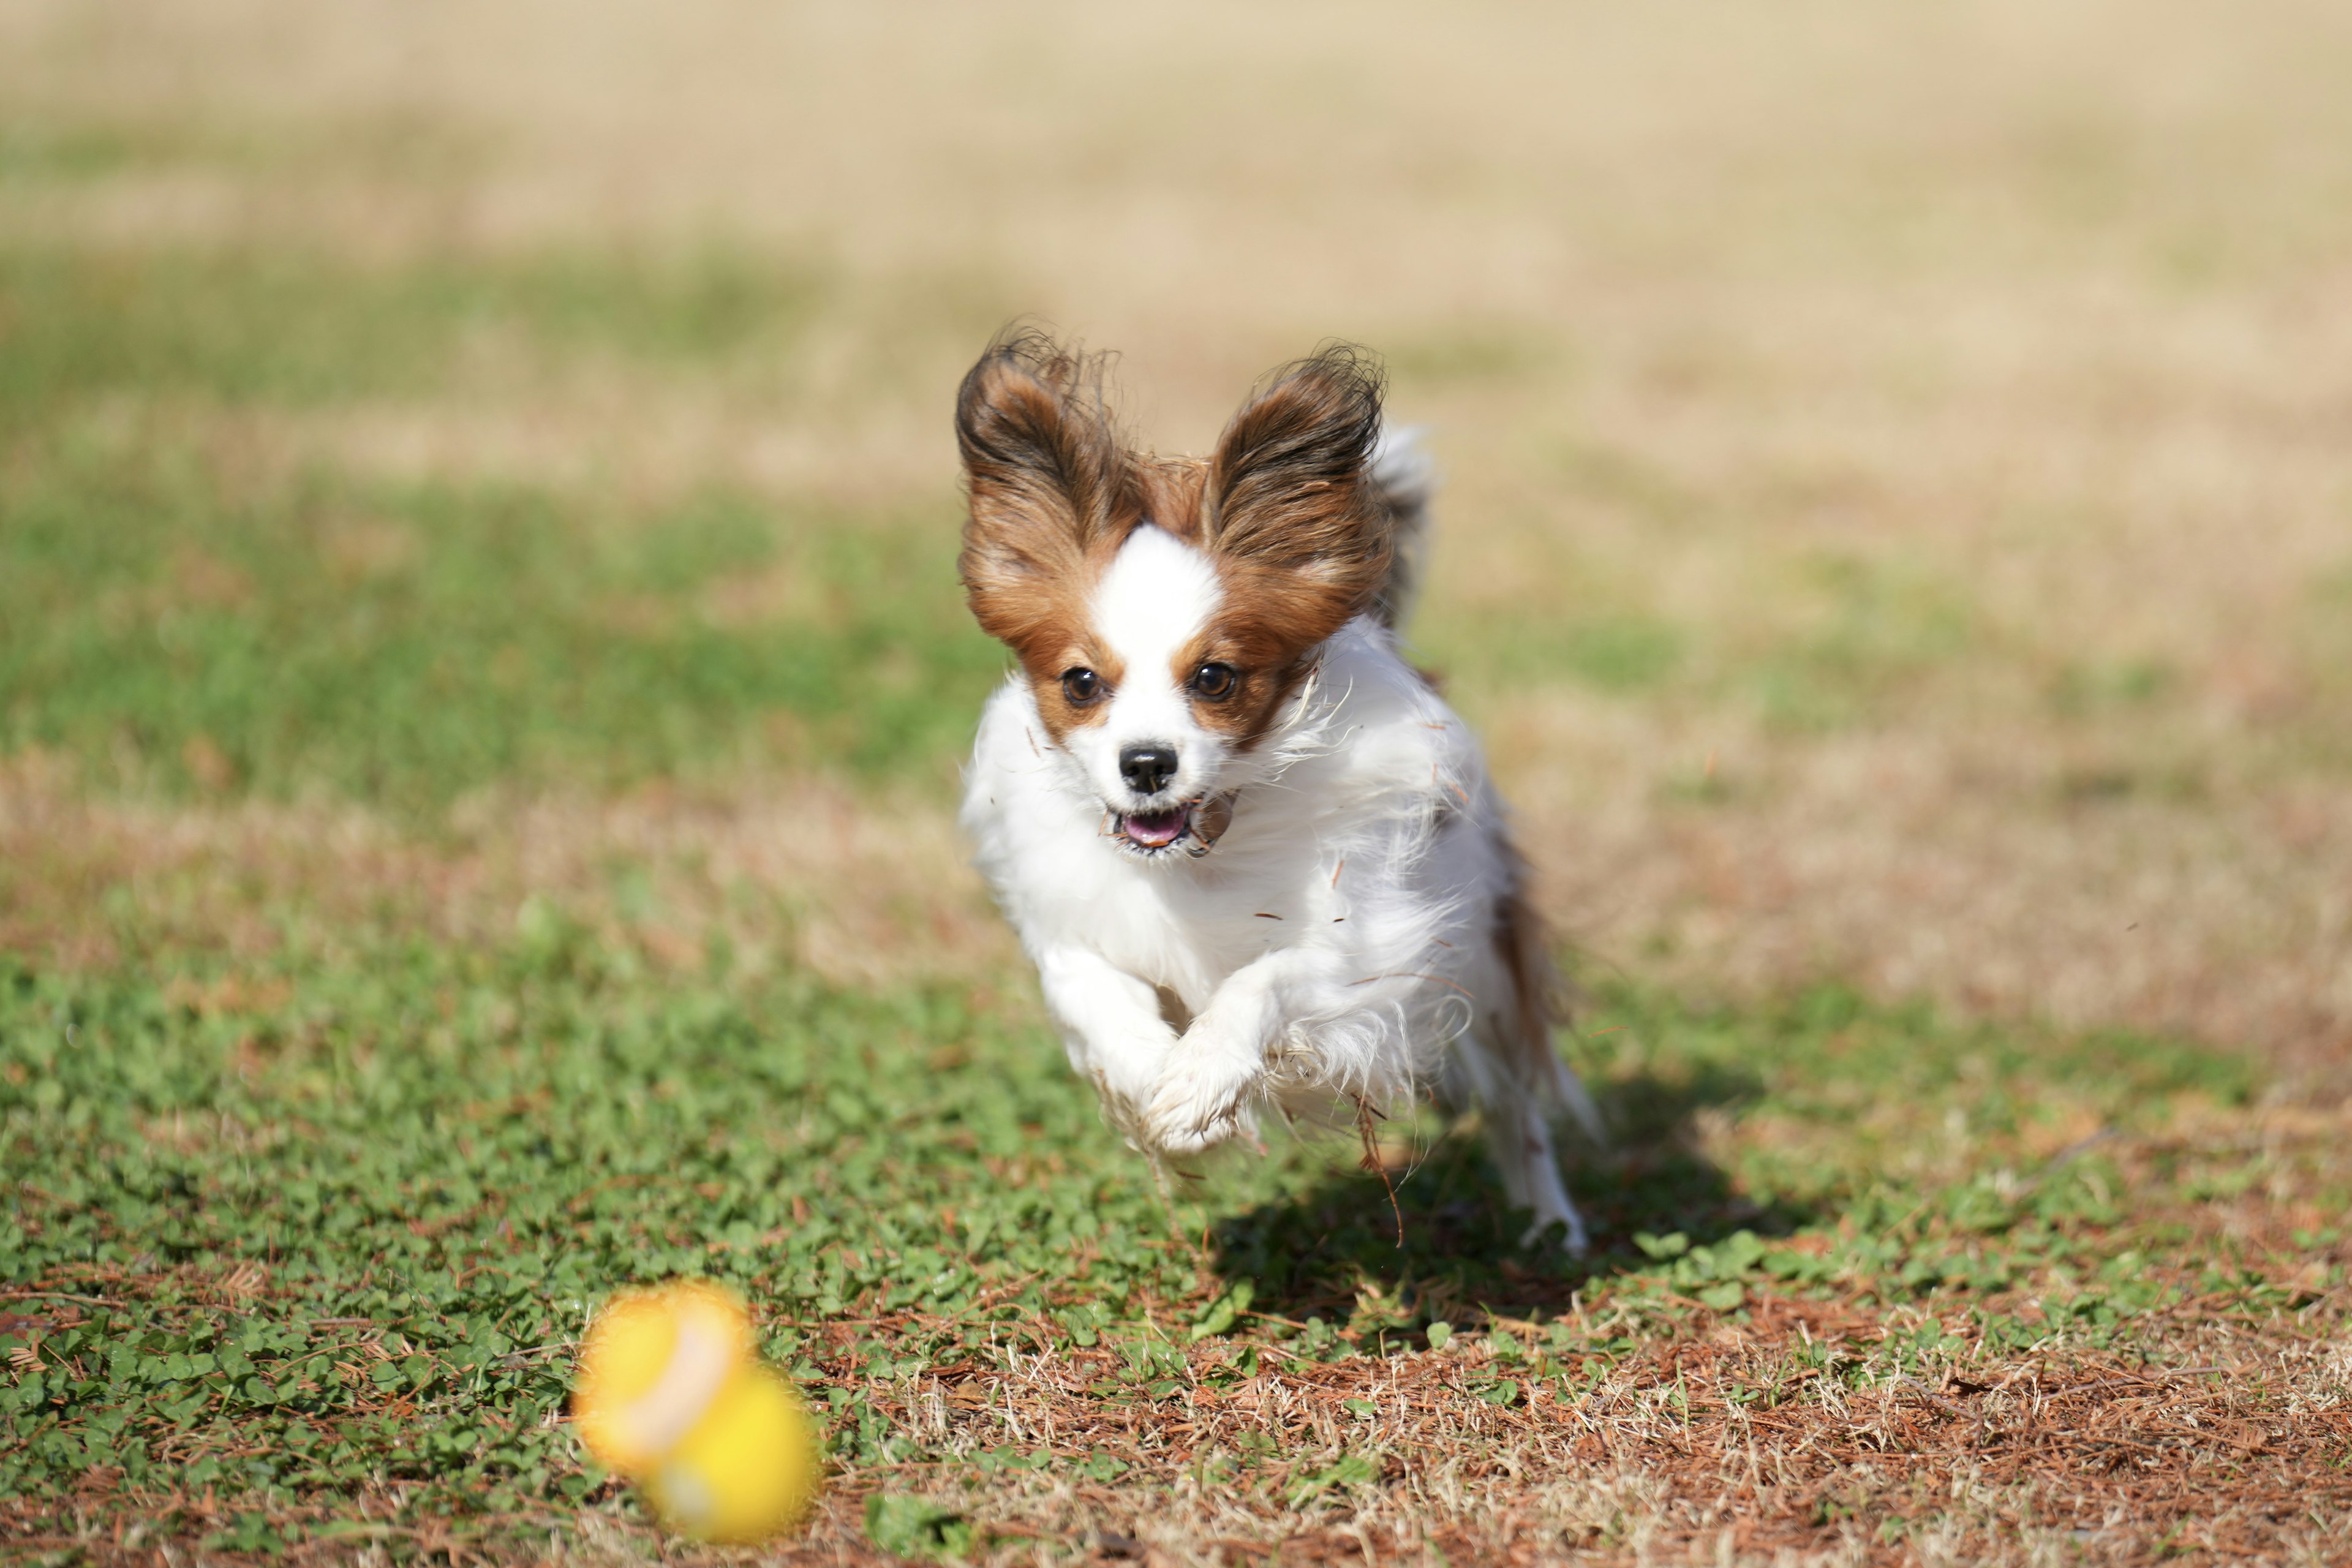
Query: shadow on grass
(1315,1252)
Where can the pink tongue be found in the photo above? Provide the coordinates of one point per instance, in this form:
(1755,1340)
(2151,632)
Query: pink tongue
(1156,829)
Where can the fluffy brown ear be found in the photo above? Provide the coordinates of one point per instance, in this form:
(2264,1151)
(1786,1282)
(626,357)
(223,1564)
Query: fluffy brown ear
(1290,506)
(1050,482)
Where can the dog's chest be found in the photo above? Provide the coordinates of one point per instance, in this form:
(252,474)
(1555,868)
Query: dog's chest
(1188,926)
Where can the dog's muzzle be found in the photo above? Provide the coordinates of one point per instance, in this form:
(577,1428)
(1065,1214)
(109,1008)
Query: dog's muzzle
(1193,827)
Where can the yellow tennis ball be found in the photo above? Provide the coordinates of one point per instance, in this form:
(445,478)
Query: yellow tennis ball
(747,1469)
(672,1394)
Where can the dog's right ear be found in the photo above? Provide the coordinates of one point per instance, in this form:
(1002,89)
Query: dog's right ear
(1049,480)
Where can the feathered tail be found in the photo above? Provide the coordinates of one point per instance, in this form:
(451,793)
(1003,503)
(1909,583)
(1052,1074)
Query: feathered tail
(1544,996)
(1403,478)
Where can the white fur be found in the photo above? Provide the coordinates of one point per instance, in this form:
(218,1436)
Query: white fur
(1155,598)
(1334,948)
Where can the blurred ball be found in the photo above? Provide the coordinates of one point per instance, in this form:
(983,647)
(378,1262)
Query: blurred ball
(672,1394)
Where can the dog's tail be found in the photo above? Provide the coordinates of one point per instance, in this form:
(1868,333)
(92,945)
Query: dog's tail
(1403,478)
(1543,997)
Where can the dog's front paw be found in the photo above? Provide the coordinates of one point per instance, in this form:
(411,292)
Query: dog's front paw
(1199,1101)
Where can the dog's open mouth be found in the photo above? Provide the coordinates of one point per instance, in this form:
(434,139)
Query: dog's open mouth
(1154,829)
(1193,827)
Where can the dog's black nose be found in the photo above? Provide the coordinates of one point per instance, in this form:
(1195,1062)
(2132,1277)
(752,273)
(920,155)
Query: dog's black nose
(1147,767)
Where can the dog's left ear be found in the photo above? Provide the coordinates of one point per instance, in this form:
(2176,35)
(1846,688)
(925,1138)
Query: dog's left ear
(1289,500)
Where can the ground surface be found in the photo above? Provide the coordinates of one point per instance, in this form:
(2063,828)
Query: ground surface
(481,680)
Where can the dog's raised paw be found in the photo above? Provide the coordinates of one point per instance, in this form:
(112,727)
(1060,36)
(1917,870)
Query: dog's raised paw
(1198,1105)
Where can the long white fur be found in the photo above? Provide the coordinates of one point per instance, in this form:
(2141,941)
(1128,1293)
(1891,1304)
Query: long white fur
(1155,598)
(1335,947)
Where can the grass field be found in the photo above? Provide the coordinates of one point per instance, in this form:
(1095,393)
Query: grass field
(481,684)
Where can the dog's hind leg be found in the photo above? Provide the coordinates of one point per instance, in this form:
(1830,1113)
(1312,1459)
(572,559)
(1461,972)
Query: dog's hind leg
(1518,1135)
(1521,1082)
(1484,1073)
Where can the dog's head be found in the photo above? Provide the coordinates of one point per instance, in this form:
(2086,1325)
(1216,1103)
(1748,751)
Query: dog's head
(1164,612)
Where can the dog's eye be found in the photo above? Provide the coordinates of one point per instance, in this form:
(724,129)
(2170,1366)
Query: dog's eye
(1081,685)
(1215,680)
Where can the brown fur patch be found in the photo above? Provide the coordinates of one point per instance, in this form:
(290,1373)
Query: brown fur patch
(1300,538)
(1539,995)
(1054,493)
(1172,492)
(1268,668)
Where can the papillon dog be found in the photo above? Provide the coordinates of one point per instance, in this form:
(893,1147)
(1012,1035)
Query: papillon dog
(1256,858)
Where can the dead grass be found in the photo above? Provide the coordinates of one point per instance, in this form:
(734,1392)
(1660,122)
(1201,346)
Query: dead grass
(785,871)
(1683,1454)
(2004,881)
(1829,1427)
(2040,314)
(1989,882)
(1693,305)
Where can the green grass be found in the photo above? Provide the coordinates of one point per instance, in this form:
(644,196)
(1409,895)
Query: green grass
(168,621)
(1615,653)
(405,644)
(1876,628)
(67,152)
(431,1164)
(245,328)
(468,1153)
(297,1246)
(1843,641)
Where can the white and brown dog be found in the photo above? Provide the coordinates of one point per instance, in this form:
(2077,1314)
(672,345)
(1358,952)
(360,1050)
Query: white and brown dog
(1257,858)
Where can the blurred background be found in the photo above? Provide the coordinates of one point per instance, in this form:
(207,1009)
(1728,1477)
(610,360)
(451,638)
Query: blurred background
(466,464)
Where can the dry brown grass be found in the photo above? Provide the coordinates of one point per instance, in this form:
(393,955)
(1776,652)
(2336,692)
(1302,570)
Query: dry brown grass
(2045,310)
(1808,1430)
(781,871)
(2042,310)
(1675,1456)
(1998,879)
